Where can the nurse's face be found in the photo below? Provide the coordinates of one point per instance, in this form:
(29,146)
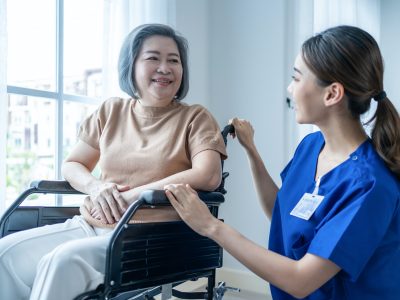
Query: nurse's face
(307,94)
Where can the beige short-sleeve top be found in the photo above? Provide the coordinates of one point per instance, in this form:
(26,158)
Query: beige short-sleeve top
(140,144)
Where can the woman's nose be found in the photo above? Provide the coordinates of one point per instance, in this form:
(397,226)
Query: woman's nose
(163,68)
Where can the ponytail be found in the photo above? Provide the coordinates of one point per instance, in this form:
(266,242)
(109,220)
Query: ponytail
(386,134)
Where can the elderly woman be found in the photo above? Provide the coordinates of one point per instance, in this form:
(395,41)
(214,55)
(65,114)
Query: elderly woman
(141,143)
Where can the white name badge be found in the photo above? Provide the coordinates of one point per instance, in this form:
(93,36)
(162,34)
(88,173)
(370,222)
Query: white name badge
(307,205)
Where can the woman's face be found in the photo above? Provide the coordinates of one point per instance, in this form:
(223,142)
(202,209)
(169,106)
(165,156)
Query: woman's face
(307,94)
(158,71)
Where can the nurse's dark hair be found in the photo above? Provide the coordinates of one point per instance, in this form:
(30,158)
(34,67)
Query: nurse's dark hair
(131,47)
(351,56)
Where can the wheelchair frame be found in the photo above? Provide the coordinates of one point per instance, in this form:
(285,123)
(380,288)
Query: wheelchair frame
(142,257)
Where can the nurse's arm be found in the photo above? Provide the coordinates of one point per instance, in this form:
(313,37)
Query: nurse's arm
(297,278)
(264,184)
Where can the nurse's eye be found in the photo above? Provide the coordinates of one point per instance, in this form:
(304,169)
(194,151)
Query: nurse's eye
(294,78)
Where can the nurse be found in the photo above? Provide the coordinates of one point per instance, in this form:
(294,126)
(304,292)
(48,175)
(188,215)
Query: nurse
(335,228)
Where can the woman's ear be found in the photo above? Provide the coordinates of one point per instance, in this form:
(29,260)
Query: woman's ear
(334,94)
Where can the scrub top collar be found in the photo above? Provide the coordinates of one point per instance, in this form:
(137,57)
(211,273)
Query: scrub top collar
(362,150)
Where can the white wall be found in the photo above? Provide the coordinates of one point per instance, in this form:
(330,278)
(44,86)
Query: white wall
(247,80)
(390,47)
(192,21)
(237,68)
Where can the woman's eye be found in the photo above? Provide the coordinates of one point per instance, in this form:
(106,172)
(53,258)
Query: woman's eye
(294,78)
(174,61)
(152,58)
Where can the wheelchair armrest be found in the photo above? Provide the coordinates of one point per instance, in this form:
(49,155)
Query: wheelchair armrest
(41,187)
(54,187)
(158,197)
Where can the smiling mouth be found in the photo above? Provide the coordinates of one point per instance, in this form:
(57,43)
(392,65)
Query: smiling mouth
(162,81)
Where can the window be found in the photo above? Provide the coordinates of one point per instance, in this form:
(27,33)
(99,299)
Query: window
(58,60)
(54,80)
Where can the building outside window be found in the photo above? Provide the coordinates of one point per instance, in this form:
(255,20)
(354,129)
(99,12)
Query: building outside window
(58,62)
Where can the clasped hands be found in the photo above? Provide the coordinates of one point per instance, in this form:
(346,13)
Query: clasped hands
(109,202)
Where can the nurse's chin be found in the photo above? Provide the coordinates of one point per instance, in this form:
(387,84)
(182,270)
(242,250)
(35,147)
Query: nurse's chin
(300,119)
(303,121)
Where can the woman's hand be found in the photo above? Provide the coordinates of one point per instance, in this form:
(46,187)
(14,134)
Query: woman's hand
(108,203)
(190,208)
(244,132)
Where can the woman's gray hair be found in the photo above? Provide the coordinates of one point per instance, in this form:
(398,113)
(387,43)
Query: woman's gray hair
(131,48)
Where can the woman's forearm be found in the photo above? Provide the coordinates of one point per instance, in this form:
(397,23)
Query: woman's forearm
(80,177)
(205,175)
(198,180)
(265,186)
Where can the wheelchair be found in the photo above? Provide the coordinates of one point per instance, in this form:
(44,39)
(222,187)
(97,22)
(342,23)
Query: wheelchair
(143,259)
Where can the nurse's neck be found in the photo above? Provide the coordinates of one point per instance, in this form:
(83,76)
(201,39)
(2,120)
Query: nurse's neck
(342,137)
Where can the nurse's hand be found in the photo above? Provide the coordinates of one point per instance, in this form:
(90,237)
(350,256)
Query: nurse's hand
(190,208)
(244,132)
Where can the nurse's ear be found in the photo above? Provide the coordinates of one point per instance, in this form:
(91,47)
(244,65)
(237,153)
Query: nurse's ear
(334,94)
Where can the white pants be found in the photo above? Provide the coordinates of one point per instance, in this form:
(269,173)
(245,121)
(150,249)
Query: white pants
(51,262)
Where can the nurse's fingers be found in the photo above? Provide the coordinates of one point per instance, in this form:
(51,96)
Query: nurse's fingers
(174,202)
(190,188)
(182,193)
(178,192)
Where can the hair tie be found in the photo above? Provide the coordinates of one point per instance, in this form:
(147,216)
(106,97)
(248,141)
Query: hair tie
(380,96)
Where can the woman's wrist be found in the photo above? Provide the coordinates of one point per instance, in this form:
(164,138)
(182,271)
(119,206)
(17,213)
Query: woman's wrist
(93,186)
(130,196)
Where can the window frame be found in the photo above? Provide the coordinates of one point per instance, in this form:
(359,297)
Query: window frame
(58,96)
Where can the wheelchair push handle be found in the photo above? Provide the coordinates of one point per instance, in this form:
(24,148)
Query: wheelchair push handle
(227,130)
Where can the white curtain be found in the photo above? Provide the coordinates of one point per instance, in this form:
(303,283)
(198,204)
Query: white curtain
(120,17)
(361,13)
(3,101)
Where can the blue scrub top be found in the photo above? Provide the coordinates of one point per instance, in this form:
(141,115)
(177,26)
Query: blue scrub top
(356,226)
